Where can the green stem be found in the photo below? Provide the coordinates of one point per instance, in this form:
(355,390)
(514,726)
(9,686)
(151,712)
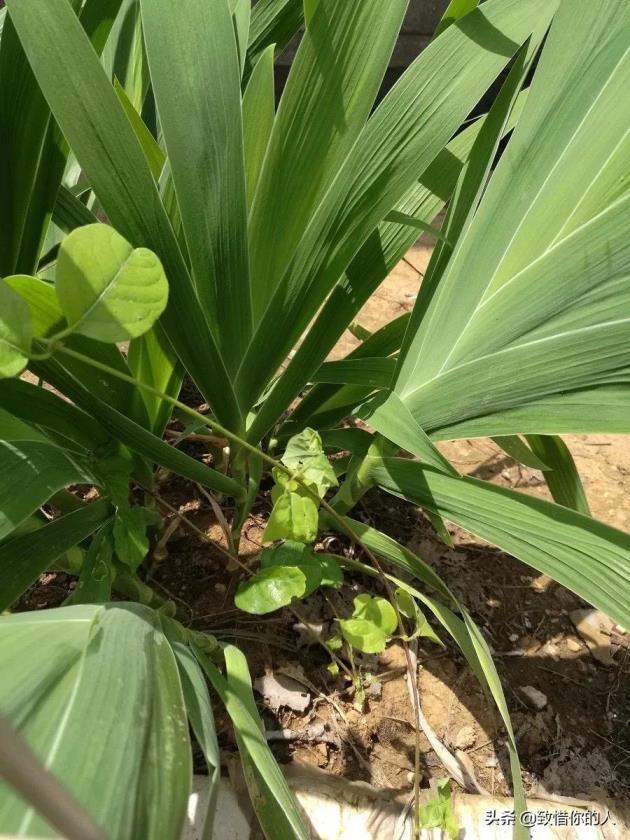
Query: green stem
(218,429)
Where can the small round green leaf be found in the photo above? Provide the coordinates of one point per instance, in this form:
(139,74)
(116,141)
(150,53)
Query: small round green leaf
(320,569)
(16,332)
(108,290)
(363,635)
(377,610)
(270,589)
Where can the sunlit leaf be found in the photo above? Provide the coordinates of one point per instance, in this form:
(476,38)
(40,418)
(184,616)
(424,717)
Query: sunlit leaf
(15,332)
(105,724)
(272,588)
(108,290)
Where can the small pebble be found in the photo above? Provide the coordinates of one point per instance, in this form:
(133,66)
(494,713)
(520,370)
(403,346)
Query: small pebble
(534,697)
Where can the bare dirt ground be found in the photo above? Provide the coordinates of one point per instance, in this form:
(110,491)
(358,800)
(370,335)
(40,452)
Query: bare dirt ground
(573,731)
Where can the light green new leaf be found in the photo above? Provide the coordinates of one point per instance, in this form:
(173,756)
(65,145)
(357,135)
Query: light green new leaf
(108,290)
(439,813)
(304,454)
(376,609)
(272,588)
(363,635)
(130,536)
(408,607)
(528,324)
(372,622)
(15,332)
(586,556)
(112,728)
(294,516)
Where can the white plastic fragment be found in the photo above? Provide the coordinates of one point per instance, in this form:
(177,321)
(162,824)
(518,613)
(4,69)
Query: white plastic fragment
(341,810)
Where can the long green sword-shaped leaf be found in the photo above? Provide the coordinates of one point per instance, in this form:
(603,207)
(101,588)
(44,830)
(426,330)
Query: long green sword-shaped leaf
(196,82)
(272,22)
(332,86)
(31,471)
(398,142)
(383,342)
(586,556)
(136,437)
(241,11)
(375,260)
(151,357)
(123,56)
(562,476)
(543,302)
(273,802)
(69,211)
(89,113)
(42,407)
(96,693)
(34,154)
(199,710)
(26,556)
(259,110)
(455,10)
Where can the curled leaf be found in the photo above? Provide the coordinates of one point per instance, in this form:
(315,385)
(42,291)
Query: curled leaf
(305,455)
